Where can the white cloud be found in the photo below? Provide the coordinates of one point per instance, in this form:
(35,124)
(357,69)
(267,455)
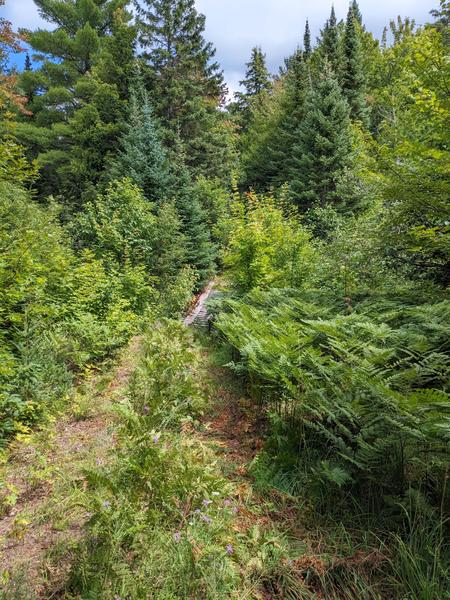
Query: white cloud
(23,13)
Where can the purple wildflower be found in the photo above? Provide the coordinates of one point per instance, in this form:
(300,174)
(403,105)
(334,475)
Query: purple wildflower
(206,519)
(106,504)
(155,438)
(177,536)
(235,510)
(197,510)
(146,410)
(230,549)
(207,502)
(227,502)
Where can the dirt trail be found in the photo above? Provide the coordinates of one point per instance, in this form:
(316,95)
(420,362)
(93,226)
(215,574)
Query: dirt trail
(38,508)
(36,516)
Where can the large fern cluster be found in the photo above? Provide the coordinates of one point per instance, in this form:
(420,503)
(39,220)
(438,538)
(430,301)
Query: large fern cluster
(361,399)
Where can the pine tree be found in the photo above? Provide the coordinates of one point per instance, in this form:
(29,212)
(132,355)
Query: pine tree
(256,83)
(187,84)
(76,116)
(330,42)
(353,78)
(307,41)
(142,157)
(323,149)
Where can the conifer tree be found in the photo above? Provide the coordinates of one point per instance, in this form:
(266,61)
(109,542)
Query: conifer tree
(291,111)
(330,42)
(257,77)
(323,149)
(353,78)
(187,84)
(307,41)
(200,253)
(142,157)
(356,12)
(28,66)
(256,83)
(75,114)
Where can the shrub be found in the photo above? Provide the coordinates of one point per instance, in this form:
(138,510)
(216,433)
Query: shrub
(266,248)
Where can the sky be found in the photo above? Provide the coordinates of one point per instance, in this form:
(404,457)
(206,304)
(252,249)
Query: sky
(236,26)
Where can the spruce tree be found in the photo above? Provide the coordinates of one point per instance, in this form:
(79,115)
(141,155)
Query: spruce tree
(292,98)
(353,78)
(330,42)
(142,157)
(186,83)
(257,77)
(307,41)
(28,66)
(200,253)
(323,149)
(256,83)
(356,12)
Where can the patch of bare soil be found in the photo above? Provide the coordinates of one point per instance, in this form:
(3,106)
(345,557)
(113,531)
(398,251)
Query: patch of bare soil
(236,426)
(34,475)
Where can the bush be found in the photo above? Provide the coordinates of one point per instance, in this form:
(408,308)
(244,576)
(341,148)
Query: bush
(266,248)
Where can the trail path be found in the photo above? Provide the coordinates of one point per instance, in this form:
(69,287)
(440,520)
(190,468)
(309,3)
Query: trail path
(198,313)
(38,500)
(41,513)
(38,508)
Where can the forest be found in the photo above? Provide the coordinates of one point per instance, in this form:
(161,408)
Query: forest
(295,444)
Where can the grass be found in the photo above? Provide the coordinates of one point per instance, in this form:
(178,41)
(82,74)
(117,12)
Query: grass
(172,509)
(43,487)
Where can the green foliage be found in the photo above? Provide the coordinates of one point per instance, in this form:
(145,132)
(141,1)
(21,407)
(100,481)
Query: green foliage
(352,391)
(75,102)
(273,131)
(256,84)
(200,252)
(14,166)
(59,311)
(187,84)
(159,506)
(324,146)
(214,200)
(266,248)
(412,156)
(142,157)
(121,225)
(307,41)
(353,76)
(330,43)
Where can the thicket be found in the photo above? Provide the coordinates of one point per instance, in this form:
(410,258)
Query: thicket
(107,218)
(339,309)
(115,169)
